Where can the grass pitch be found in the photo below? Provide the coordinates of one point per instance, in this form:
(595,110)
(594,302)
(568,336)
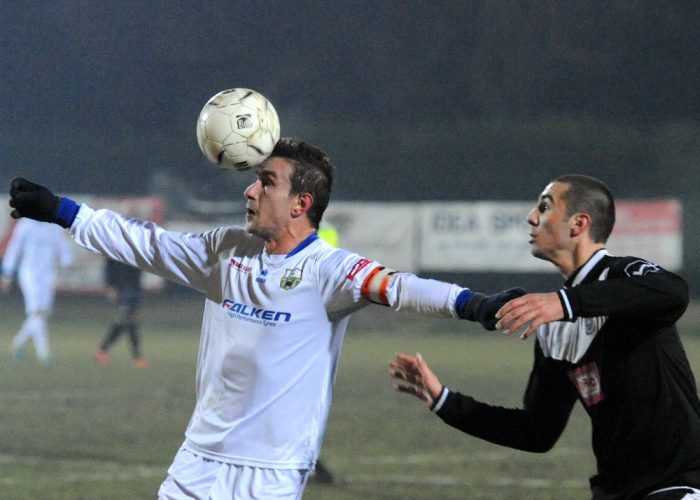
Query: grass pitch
(79,430)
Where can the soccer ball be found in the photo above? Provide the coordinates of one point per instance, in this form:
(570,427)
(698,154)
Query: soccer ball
(237,129)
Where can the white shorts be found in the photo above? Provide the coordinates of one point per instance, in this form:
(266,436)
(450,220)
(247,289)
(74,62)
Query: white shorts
(38,291)
(192,476)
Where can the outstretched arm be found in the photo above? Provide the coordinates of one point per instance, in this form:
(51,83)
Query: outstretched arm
(350,281)
(436,298)
(187,259)
(547,404)
(634,288)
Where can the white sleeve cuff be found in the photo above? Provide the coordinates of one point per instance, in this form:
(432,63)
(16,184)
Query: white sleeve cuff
(566,305)
(441,400)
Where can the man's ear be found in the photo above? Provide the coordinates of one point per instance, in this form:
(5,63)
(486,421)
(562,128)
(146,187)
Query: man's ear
(302,205)
(580,223)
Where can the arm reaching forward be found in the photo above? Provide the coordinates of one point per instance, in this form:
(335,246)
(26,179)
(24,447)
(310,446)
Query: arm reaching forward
(416,378)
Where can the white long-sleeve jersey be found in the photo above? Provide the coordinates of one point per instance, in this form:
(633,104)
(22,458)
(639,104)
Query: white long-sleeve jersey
(272,329)
(34,251)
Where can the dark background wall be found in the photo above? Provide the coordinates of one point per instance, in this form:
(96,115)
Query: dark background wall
(479,99)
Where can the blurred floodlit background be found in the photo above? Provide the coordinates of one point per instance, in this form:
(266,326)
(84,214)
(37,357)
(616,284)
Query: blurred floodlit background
(445,119)
(450,100)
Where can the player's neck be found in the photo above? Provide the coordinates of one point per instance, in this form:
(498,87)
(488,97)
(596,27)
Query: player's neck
(288,241)
(571,262)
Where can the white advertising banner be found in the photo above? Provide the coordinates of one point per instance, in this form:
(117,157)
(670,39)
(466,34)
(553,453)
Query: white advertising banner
(385,232)
(493,236)
(413,237)
(481,236)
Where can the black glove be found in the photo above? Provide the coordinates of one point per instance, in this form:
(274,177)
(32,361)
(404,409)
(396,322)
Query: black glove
(483,308)
(39,203)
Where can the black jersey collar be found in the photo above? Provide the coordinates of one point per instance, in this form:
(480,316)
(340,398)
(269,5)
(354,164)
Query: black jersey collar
(583,271)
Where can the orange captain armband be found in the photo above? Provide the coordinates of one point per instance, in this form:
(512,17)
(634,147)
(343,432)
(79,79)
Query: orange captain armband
(375,285)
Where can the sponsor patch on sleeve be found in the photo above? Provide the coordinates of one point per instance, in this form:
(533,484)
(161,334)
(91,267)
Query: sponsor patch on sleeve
(357,267)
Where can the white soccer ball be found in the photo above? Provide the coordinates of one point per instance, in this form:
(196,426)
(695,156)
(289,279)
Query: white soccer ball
(237,129)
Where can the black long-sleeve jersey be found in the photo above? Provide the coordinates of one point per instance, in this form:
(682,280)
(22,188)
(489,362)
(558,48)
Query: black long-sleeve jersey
(618,352)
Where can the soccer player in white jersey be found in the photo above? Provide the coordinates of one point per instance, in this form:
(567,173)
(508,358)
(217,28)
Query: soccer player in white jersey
(33,252)
(278,299)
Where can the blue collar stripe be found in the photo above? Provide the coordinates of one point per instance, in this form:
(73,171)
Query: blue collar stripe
(307,241)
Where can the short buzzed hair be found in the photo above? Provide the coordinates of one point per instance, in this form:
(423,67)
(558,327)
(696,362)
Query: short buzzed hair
(589,195)
(312,173)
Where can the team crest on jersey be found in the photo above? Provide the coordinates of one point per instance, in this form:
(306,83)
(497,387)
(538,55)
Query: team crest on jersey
(291,278)
(641,267)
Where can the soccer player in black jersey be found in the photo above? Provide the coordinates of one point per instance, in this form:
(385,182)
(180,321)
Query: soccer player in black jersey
(123,286)
(608,339)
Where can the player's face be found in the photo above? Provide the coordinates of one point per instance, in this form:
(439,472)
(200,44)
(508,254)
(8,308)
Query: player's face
(550,231)
(269,203)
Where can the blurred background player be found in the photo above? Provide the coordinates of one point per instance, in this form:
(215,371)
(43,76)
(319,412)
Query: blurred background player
(123,286)
(33,253)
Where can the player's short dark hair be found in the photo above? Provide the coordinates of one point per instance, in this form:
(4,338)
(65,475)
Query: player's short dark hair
(589,195)
(312,173)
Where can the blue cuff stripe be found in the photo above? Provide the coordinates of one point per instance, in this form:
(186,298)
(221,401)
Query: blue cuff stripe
(66,212)
(462,301)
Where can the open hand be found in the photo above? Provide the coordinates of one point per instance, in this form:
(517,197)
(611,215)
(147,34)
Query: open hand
(416,377)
